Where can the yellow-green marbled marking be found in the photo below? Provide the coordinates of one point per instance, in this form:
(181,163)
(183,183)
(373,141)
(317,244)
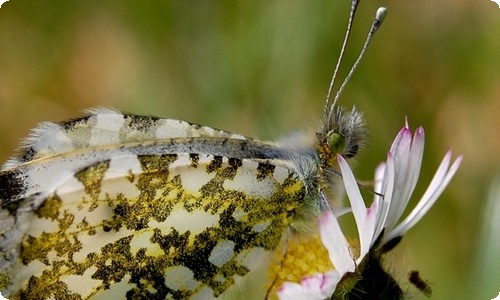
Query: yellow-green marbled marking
(147,235)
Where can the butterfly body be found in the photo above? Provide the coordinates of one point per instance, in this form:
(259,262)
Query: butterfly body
(143,207)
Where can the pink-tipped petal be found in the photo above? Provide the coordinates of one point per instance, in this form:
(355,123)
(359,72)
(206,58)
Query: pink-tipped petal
(408,175)
(439,182)
(402,141)
(291,291)
(324,284)
(317,287)
(403,161)
(415,162)
(401,154)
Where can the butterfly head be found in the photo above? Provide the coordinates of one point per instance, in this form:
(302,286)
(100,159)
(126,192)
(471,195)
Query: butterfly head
(343,132)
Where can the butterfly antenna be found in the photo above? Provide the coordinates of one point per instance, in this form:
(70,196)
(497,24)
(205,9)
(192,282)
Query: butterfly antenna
(354,8)
(377,22)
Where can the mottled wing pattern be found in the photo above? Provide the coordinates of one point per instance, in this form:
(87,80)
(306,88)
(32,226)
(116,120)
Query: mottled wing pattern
(105,127)
(188,215)
(184,226)
(56,151)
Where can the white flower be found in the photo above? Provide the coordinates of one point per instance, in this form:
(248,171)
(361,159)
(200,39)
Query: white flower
(377,225)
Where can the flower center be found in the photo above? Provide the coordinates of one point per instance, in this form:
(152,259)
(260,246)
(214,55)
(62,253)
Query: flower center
(305,255)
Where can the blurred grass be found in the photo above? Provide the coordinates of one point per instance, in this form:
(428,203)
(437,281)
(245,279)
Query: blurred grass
(262,68)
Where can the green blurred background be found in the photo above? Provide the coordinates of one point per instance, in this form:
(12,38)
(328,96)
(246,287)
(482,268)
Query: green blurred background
(262,68)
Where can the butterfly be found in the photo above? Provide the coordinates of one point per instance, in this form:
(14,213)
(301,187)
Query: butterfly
(121,206)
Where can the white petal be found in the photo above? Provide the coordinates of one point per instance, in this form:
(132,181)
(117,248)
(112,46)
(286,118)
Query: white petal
(414,164)
(323,283)
(379,177)
(369,228)
(381,211)
(336,243)
(417,153)
(400,195)
(357,204)
(438,184)
(295,291)
(290,291)
(401,151)
(387,191)
(401,137)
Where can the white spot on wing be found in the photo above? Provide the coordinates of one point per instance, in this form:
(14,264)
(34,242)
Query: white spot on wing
(182,221)
(82,284)
(69,186)
(168,128)
(237,136)
(93,243)
(50,137)
(43,225)
(180,278)
(239,214)
(121,166)
(192,178)
(222,253)
(261,226)
(172,129)
(116,290)
(246,181)
(52,256)
(107,129)
(280,174)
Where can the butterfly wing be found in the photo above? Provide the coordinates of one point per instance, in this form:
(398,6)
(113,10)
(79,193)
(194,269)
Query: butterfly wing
(54,152)
(184,225)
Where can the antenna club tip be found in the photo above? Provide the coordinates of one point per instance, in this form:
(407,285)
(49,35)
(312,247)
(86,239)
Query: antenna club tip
(381,13)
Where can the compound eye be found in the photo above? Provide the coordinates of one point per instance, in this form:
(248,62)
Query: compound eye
(339,145)
(336,142)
